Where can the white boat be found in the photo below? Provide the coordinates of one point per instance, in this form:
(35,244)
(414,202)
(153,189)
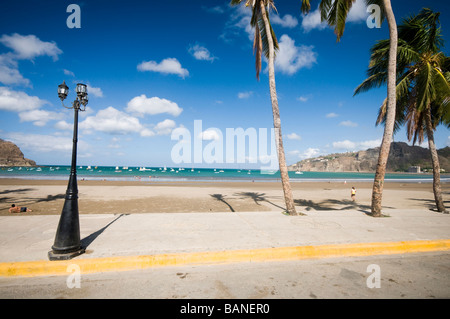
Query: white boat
(298,172)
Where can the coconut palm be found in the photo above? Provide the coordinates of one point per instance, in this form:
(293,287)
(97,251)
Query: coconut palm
(423,87)
(266,42)
(335,13)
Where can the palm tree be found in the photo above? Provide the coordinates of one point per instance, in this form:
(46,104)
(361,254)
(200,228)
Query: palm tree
(335,13)
(423,87)
(266,42)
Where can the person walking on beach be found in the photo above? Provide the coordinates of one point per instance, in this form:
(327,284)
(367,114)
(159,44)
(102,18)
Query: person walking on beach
(18,209)
(353,193)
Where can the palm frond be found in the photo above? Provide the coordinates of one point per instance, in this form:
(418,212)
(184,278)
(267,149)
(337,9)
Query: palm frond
(424,86)
(423,76)
(423,31)
(236,2)
(257,50)
(374,81)
(306,6)
(260,41)
(265,34)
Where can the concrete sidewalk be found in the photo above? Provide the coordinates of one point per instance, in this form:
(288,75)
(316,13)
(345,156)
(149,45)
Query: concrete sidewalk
(29,238)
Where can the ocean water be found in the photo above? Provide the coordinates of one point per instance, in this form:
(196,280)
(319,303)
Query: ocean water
(155,174)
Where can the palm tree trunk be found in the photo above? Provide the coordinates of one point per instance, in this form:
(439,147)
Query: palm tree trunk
(435,162)
(378,183)
(277,121)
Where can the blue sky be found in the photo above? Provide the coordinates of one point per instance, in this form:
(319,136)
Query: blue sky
(155,66)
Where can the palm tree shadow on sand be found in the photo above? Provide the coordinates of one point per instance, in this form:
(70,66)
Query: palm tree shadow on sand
(257,198)
(430,203)
(86,241)
(221,198)
(335,204)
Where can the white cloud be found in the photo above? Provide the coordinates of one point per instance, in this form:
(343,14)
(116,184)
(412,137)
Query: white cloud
(239,20)
(9,73)
(245,95)
(309,153)
(201,53)
(97,92)
(303,98)
(166,66)
(43,143)
(147,133)
(68,72)
(29,46)
(291,58)
(39,117)
(294,136)
(331,115)
(23,47)
(63,125)
(112,121)
(287,21)
(165,127)
(356,146)
(344,145)
(154,105)
(370,144)
(348,124)
(216,9)
(358,12)
(209,135)
(16,101)
(312,20)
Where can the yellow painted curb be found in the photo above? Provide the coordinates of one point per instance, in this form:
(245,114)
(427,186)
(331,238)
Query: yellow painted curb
(126,263)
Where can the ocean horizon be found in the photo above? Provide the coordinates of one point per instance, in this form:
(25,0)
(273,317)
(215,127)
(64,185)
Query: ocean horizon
(154,174)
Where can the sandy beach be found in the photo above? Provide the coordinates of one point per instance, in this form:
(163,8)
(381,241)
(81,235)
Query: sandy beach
(46,197)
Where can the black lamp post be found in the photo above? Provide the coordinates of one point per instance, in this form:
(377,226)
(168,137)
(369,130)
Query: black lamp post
(67,243)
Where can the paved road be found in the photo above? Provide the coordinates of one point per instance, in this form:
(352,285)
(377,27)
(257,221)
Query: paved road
(415,275)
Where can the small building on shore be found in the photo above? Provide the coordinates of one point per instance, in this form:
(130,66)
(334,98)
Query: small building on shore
(414,169)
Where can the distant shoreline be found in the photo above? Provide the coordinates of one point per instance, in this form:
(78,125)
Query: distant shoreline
(196,175)
(159,180)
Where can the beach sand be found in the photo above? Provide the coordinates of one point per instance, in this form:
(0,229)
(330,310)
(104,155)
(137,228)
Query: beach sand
(46,197)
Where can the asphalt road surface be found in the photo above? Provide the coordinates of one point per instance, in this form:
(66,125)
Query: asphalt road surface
(418,275)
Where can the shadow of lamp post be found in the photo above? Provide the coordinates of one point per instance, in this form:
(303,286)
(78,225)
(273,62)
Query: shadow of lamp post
(67,243)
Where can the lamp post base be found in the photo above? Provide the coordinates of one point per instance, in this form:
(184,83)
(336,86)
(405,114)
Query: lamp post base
(65,256)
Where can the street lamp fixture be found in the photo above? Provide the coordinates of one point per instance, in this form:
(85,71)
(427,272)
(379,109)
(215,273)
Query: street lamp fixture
(67,243)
